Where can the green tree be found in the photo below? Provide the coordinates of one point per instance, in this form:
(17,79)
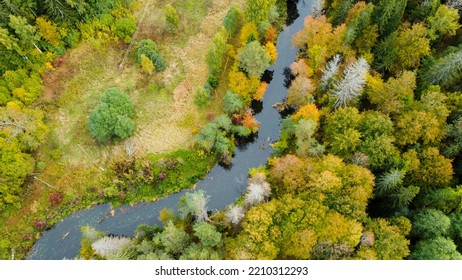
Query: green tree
(445,71)
(232,20)
(207,234)
(440,248)
(171,18)
(445,22)
(232,103)
(388,14)
(199,252)
(14,166)
(430,223)
(217,53)
(124,28)
(258,10)
(195,205)
(113,118)
(253,59)
(173,239)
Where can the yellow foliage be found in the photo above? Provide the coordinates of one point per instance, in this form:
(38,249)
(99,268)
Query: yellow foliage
(260,91)
(48,30)
(244,86)
(146,65)
(307,112)
(271,51)
(249,32)
(49,66)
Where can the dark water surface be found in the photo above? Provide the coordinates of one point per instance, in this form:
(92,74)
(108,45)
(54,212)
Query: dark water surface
(222,185)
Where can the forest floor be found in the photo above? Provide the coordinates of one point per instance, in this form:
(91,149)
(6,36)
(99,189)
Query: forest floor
(71,162)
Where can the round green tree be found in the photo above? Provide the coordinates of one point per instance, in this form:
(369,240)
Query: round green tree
(113,118)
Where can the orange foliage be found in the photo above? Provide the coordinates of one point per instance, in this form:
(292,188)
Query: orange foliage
(271,35)
(250,122)
(307,112)
(260,91)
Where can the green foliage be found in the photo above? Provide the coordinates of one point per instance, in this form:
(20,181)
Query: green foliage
(207,234)
(430,224)
(419,10)
(199,252)
(253,59)
(388,14)
(445,22)
(172,239)
(194,205)
(201,97)
(434,170)
(258,10)
(339,10)
(447,200)
(445,71)
(439,248)
(113,118)
(390,241)
(149,49)
(217,53)
(14,166)
(306,144)
(124,28)
(171,18)
(232,103)
(232,20)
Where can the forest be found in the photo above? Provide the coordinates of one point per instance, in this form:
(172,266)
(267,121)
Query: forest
(125,101)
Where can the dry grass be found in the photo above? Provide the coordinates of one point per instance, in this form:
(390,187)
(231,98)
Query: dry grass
(166,116)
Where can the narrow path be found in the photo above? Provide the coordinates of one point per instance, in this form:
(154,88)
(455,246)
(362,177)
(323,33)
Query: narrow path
(223,185)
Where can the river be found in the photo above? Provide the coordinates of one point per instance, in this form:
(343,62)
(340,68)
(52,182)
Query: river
(223,185)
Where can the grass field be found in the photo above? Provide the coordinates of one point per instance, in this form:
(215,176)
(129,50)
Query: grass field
(71,162)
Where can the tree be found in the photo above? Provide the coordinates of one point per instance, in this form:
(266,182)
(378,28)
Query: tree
(444,22)
(301,92)
(235,214)
(430,224)
(232,103)
(24,125)
(352,83)
(390,241)
(330,71)
(394,95)
(198,252)
(171,18)
(146,64)
(124,28)
(242,85)
(445,71)
(109,247)
(307,145)
(403,49)
(232,20)
(253,59)
(256,193)
(440,248)
(113,118)
(387,14)
(207,234)
(217,53)
(14,167)
(148,48)
(194,204)
(172,239)
(433,171)
(201,97)
(389,181)
(258,10)
(339,10)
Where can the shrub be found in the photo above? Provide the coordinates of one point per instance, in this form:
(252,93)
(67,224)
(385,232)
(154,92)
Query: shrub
(125,27)
(149,49)
(201,97)
(113,117)
(171,18)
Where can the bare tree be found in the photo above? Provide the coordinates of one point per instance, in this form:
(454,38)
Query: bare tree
(110,245)
(235,214)
(330,71)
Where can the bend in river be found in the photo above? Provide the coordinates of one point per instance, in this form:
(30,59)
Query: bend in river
(222,185)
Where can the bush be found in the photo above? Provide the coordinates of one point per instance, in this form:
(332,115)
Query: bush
(149,49)
(125,27)
(201,97)
(112,119)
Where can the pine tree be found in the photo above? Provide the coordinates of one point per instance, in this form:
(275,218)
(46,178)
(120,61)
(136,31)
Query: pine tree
(446,70)
(350,87)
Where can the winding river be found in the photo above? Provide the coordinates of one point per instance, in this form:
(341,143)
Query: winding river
(222,185)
